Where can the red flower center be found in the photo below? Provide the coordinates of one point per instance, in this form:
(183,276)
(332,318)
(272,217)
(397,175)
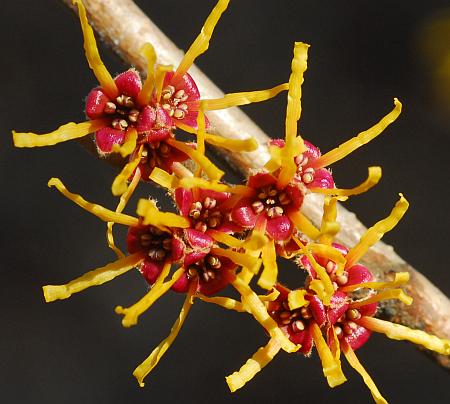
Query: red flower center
(272,201)
(156,242)
(154,154)
(304,173)
(205,215)
(295,320)
(205,269)
(174,102)
(123,111)
(346,326)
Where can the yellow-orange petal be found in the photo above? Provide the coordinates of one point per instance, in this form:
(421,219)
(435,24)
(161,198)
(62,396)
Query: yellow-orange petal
(329,226)
(330,365)
(384,295)
(296,299)
(400,332)
(256,307)
(161,71)
(129,145)
(356,364)
(376,232)
(152,360)
(269,274)
(213,172)
(360,140)
(95,277)
(304,225)
(237,145)
(119,185)
(201,43)
(254,242)
(400,279)
(327,251)
(146,92)
(97,210)
(120,207)
(151,215)
(201,132)
(65,132)
(132,313)
(225,302)
(244,98)
(191,182)
(262,357)
(93,57)
(238,258)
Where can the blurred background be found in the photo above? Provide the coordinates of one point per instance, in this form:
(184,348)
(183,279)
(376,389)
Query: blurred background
(364,53)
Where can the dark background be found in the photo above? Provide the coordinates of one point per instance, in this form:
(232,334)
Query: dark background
(363,54)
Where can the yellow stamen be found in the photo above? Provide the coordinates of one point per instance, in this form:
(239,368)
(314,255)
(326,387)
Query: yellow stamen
(149,364)
(119,185)
(376,232)
(360,140)
(201,43)
(244,98)
(293,112)
(120,207)
(400,332)
(304,225)
(384,295)
(153,216)
(213,172)
(356,364)
(372,179)
(241,259)
(256,307)
(160,74)
(97,210)
(146,92)
(331,366)
(95,63)
(96,277)
(65,132)
(132,313)
(225,302)
(129,145)
(296,299)
(400,279)
(268,277)
(249,370)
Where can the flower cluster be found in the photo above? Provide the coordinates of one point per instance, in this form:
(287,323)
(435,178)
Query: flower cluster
(225,236)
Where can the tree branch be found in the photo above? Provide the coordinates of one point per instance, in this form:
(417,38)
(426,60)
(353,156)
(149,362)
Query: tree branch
(125,28)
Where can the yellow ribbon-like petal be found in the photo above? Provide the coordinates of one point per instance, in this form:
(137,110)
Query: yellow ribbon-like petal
(238,258)
(360,140)
(129,145)
(95,63)
(304,225)
(95,277)
(329,226)
(400,332)
(65,132)
(160,74)
(400,279)
(146,92)
(355,364)
(244,98)
(376,232)
(268,277)
(327,251)
(201,43)
(149,364)
(153,216)
(254,242)
(331,366)
(262,357)
(119,185)
(201,132)
(97,210)
(296,299)
(225,302)
(384,295)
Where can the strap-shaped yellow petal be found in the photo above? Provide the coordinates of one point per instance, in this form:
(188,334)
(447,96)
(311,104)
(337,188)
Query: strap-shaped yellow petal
(213,172)
(373,178)
(238,258)
(256,307)
(244,98)
(262,357)
(304,225)
(151,215)
(102,213)
(400,279)
(146,92)
(400,332)
(65,132)
(237,145)
(296,299)
(93,57)
(384,295)
(201,43)
(360,140)
(329,226)
(129,145)
(159,288)
(330,365)
(95,277)
(149,364)
(269,274)
(201,132)
(356,364)
(376,232)
(160,74)
(293,112)
(273,295)
(119,185)
(254,242)
(327,251)
(225,302)
(120,207)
